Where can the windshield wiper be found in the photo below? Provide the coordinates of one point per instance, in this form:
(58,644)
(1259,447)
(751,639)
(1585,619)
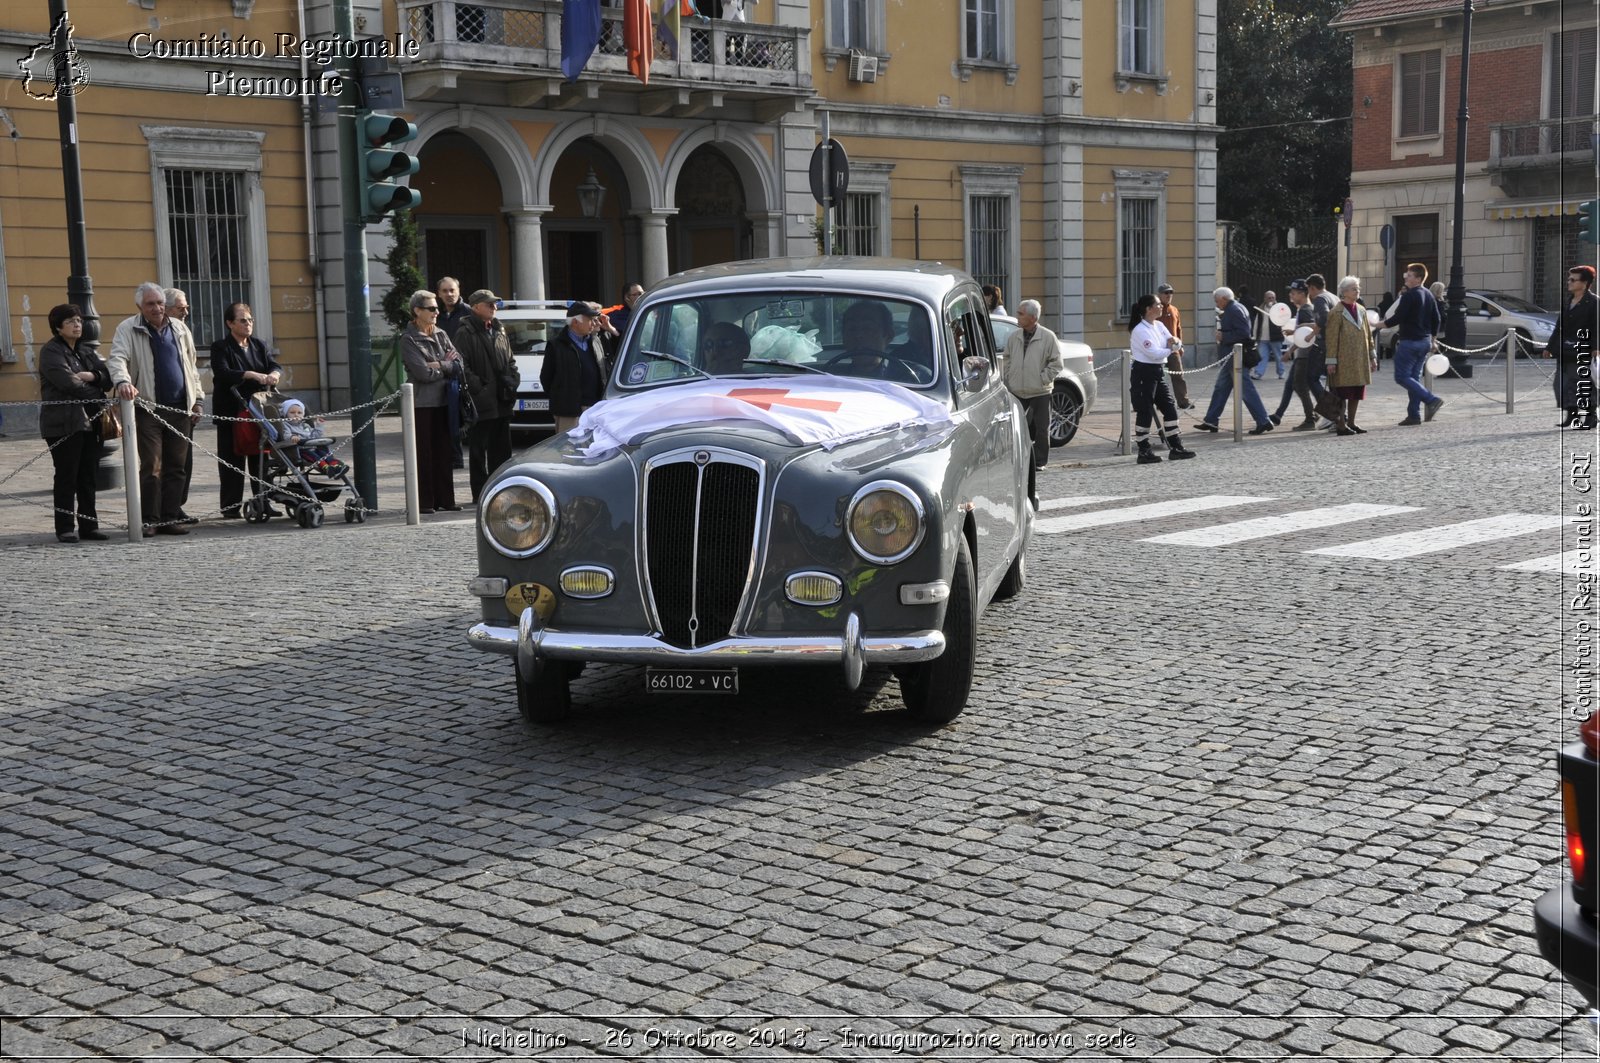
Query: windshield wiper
(786,365)
(673,358)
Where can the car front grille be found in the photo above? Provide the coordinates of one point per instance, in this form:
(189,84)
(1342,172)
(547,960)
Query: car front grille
(700,526)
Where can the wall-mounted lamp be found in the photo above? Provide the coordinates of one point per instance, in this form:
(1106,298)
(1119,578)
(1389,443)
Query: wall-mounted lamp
(591,195)
(1366,101)
(1072,88)
(1210,97)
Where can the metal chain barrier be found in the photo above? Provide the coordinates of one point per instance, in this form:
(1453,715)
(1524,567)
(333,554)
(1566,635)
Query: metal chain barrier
(255,483)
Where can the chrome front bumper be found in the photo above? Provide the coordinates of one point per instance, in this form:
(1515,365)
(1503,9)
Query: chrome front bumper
(530,641)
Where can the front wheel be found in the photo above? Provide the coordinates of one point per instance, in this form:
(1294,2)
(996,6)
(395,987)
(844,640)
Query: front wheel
(936,691)
(1066,410)
(1016,578)
(544,697)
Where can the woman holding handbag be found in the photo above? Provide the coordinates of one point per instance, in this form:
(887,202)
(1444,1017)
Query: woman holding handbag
(68,372)
(1351,356)
(431,363)
(239,361)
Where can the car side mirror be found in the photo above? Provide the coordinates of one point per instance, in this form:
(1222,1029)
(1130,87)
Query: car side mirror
(975,372)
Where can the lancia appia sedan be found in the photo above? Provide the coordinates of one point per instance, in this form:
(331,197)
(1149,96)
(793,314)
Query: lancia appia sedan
(798,462)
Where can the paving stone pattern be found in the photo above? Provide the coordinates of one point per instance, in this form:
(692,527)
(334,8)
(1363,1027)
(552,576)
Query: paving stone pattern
(260,799)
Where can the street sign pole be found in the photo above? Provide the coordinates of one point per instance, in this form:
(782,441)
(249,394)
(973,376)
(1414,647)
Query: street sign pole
(358,326)
(827,188)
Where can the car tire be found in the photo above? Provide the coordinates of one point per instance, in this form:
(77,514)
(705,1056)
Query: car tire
(1066,411)
(544,697)
(936,691)
(1015,579)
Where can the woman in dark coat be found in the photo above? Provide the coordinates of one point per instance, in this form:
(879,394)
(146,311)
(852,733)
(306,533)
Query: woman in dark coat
(431,360)
(238,360)
(1572,343)
(68,373)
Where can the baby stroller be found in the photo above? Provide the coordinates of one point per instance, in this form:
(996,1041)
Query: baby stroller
(296,474)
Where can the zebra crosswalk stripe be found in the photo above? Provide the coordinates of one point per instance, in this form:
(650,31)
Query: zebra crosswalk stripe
(1280,524)
(1566,561)
(1448,537)
(1150,511)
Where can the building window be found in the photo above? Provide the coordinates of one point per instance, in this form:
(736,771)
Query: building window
(983,30)
(208,237)
(855,24)
(991,239)
(857,231)
(209,214)
(1138,236)
(1420,92)
(1141,234)
(993,197)
(1139,26)
(988,35)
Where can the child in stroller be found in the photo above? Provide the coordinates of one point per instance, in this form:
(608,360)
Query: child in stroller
(308,439)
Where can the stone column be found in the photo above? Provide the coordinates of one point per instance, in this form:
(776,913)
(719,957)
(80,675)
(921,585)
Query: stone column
(527,251)
(653,244)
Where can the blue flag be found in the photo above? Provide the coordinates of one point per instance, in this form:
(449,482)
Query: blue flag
(580,33)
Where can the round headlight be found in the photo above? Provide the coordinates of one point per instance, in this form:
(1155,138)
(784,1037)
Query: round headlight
(519,518)
(885,522)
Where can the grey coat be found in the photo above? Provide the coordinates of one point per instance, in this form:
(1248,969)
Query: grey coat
(59,366)
(416,351)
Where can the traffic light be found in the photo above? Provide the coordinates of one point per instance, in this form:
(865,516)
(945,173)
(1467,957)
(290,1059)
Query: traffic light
(380,165)
(1589,221)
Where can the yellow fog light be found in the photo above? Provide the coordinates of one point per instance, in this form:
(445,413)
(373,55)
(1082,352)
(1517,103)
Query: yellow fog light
(813,588)
(885,522)
(587,581)
(519,518)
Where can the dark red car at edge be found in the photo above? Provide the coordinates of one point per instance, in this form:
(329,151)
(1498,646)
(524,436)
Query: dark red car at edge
(1564,918)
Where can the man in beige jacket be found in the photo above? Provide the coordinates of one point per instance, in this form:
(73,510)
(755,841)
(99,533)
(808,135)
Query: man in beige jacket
(1029,365)
(153,355)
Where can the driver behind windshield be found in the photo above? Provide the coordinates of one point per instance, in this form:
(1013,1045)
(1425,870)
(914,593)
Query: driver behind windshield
(868,330)
(724,348)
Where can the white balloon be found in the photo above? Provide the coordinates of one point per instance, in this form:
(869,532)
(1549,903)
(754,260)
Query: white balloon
(1281,314)
(1374,318)
(1304,336)
(1438,364)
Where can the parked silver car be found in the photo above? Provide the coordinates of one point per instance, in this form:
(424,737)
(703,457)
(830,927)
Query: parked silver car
(798,462)
(1489,316)
(1075,384)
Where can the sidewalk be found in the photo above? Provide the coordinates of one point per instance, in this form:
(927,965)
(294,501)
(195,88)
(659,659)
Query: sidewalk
(26,517)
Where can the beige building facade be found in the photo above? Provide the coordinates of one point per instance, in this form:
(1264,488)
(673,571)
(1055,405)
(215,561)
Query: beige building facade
(1063,149)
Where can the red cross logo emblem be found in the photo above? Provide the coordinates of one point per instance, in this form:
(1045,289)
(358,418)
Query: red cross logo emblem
(767,398)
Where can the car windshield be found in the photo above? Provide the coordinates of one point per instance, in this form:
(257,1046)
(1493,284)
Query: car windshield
(1514,304)
(768,332)
(529,337)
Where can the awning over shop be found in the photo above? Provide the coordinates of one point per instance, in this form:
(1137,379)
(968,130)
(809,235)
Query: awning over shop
(1545,209)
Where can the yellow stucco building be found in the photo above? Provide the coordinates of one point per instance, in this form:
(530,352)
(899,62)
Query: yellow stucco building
(1063,149)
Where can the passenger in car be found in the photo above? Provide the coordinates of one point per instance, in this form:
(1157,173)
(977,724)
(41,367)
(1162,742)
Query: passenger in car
(724,348)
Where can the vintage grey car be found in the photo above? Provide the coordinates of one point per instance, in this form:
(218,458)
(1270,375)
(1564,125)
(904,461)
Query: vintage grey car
(807,462)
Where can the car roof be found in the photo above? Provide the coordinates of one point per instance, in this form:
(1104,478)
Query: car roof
(925,281)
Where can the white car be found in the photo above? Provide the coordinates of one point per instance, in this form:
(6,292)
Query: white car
(529,325)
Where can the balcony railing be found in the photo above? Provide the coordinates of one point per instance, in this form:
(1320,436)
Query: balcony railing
(1542,143)
(522,38)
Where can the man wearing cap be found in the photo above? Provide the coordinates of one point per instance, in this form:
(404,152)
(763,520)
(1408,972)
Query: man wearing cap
(1303,380)
(574,372)
(490,377)
(1174,322)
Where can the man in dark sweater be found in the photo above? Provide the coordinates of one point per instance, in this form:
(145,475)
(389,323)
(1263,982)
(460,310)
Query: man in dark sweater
(573,373)
(1416,313)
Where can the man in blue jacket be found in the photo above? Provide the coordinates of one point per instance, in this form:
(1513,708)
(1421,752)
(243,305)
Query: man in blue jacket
(1417,314)
(1233,326)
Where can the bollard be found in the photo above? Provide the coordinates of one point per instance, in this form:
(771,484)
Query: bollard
(408,451)
(1238,397)
(130,471)
(1513,344)
(1125,444)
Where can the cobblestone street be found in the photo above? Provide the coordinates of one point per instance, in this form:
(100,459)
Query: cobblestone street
(1230,801)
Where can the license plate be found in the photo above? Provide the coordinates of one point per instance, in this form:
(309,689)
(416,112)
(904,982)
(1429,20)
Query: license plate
(533,404)
(691,680)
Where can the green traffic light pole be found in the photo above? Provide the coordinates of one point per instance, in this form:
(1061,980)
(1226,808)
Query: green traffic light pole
(358,325)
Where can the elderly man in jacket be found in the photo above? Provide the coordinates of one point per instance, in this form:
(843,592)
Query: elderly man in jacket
(153,355)
(1233,326)
(492,379)
(1031,360)
(574,370)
